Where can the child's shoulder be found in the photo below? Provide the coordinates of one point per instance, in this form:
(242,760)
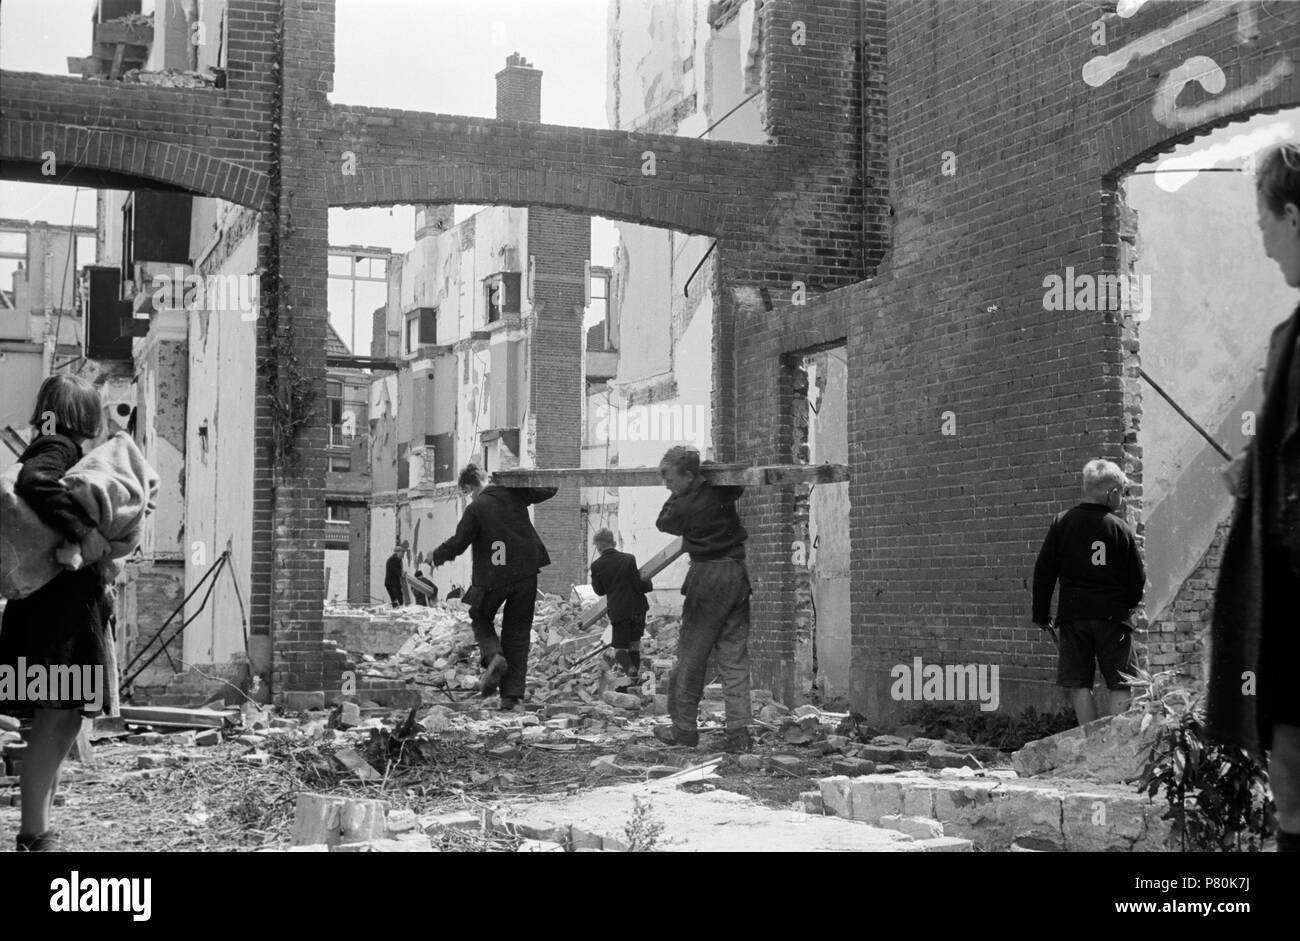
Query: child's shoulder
(51,446)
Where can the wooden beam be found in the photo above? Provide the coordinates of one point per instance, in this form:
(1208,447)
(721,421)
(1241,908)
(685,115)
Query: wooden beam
(653,566)
(772,475)
(173,717)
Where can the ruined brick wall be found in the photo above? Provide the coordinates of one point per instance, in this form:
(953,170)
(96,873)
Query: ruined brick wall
(207,140)
(815,235)
(952,334)
(302,662)
(1176,639)
(559,244)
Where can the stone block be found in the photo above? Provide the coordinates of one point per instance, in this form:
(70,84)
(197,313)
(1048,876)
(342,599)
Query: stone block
(889,741)
(1102,822)
(749,762)
(349,715)
(941,756)
(321,818)
(918,799)
(837,797)
(1032,815)
(789,764)
(150,761)
(948,844)
(208,738)
(874,798)
(970,810)
(811,802)
(919,828)
(880,753)
(402,821)
(853,766)
(1111,750)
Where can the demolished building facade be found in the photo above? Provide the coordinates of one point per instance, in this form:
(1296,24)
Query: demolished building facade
(870,228)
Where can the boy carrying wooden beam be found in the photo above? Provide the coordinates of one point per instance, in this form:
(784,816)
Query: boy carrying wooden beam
(715,614)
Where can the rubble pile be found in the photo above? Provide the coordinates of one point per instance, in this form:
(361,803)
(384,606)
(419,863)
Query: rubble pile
(173,78)
(565,663)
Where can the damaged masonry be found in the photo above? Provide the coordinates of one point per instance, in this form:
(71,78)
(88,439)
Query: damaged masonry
(658,455)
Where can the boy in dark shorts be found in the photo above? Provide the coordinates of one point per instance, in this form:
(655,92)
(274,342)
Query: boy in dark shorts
(616,575)
(1094,554)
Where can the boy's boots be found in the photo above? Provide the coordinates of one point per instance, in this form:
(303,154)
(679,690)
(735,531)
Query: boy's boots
(496,671)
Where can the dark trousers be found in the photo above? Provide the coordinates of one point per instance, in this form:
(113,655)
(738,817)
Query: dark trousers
(520,600)
(395,595)
(715,619)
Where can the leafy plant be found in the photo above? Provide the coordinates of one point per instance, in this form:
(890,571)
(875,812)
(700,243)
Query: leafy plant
(1218,795)
(642,830)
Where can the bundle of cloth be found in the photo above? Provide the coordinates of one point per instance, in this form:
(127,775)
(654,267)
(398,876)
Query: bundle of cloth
(116,487)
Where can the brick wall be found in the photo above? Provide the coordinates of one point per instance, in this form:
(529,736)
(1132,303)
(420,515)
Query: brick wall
(818,223)
(306,59)
(945,528)
(1176,639)
(560,245)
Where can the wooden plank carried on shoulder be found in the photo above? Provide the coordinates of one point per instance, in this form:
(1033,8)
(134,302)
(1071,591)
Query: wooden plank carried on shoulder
(770,475)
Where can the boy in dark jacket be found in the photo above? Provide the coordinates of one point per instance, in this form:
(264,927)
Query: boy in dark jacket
(1094,555)
(393,571)
(1252,700)
(616,575)
(715,614)
(508,554)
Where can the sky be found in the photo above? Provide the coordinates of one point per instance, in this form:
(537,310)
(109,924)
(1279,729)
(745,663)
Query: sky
(423,55)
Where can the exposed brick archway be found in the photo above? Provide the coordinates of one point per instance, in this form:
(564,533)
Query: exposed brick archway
(575,192)
(116,154)
(789,211)
(381,157)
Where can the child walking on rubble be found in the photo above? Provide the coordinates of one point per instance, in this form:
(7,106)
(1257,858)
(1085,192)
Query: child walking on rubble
(616,575)
(57,618)
(507,555)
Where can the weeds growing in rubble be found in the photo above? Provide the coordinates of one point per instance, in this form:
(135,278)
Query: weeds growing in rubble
(642,830)
(997,729)
(1218,796)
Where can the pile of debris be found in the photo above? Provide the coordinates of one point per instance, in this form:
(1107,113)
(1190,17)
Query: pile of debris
(565,662)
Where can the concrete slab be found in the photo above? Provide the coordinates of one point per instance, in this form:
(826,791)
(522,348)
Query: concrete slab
(713,821)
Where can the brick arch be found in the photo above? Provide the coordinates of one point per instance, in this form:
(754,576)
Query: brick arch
(1135,138)
(131,156)
(652,204)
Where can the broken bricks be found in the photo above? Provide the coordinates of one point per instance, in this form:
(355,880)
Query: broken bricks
(621,700)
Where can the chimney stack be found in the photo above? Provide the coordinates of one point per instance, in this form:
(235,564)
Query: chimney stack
(519,91)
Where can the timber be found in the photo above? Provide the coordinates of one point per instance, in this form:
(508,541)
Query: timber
(771,475)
